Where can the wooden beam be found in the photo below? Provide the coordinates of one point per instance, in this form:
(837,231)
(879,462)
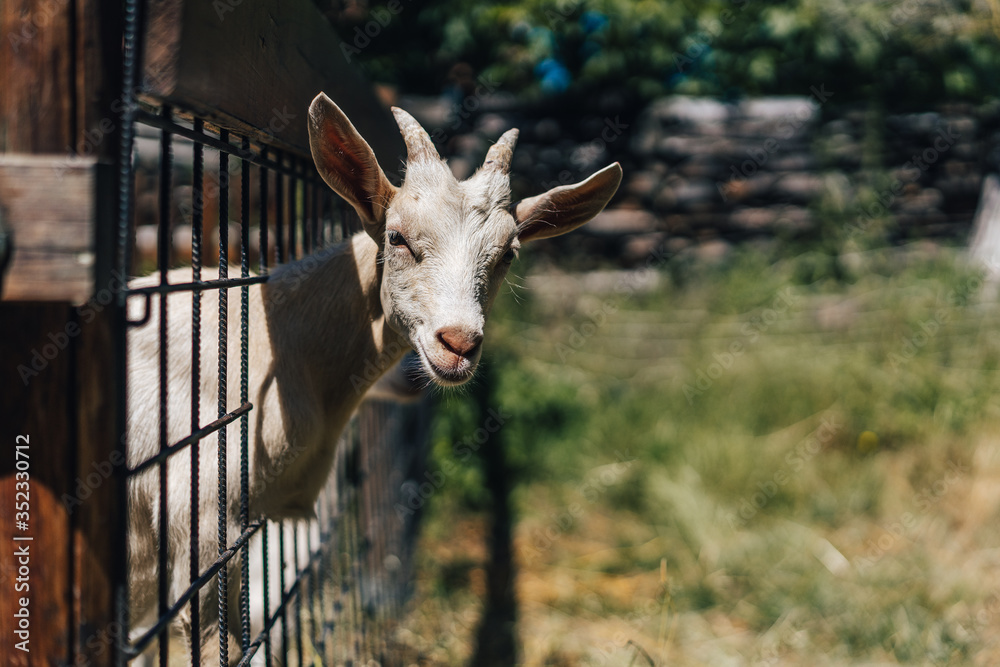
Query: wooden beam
(48,206)
(257,66)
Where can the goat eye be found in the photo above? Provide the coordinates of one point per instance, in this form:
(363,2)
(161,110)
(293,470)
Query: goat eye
(395,238)
(509,256)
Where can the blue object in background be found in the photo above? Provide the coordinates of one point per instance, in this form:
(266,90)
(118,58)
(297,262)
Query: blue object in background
(592,22)
(553,75)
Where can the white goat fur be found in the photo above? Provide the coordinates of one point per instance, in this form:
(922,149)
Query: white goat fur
(316,324)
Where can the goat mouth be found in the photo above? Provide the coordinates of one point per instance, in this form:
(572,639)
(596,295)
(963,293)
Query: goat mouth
(449,377)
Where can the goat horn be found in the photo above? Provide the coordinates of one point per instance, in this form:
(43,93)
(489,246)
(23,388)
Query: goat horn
(499,156)
(418,145)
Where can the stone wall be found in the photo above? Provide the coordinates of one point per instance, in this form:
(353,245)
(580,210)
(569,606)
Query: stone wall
(767,165)
(700,172)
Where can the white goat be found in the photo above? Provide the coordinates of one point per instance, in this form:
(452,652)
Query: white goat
(422,276)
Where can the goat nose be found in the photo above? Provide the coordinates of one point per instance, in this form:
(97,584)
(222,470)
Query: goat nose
(458,340)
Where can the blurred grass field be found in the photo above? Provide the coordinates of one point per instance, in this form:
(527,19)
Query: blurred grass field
(760,464)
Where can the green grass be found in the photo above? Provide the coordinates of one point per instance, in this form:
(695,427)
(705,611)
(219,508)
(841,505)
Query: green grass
(742,520)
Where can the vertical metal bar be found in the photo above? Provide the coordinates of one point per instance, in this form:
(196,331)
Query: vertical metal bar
(126,178)
(312,588)
(262,218)
(343,498)
(363,553)
(317,214)
(336,218)
(298,594)
(345,229)
(347,609)
(321,571)
(359,632)
(163,264)
(318,201)
(267,590)
(356,548)
(309,202)
(373,483)
(282,563)
(350,589)
(335,532)
(293,218)
(197,221)
(279,210)
(245,391)
(307,231)
(223,390)
(344,212)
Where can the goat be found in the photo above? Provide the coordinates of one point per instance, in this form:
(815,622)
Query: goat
(422,275)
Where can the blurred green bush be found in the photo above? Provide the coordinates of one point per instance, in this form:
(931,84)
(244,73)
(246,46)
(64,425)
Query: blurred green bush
(902,54)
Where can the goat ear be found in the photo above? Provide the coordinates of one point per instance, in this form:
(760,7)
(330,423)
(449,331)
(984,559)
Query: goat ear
(348,165)
(564,208)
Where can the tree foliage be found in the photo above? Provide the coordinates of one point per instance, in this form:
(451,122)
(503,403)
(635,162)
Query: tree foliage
(899,53)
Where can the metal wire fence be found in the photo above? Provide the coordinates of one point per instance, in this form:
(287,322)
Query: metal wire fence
(322,591)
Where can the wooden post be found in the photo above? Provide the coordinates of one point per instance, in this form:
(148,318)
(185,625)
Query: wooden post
(496,637)
(60,389)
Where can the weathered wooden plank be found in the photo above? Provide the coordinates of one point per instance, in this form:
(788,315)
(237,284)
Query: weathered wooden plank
(37,96)
(48,205)
(98,77)
(45,277)
(258,66)
(98,559)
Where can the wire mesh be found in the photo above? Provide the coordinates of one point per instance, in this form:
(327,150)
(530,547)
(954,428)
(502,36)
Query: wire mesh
(323,591)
